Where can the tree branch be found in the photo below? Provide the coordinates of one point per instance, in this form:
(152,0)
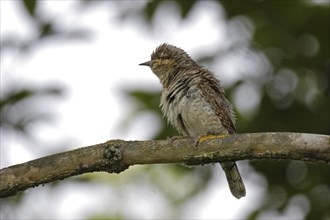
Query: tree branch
(115,156)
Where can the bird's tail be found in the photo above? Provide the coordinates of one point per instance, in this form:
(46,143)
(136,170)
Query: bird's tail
(234,179)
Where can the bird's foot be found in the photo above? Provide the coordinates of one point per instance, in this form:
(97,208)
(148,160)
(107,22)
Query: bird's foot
(203,138)
(208,137)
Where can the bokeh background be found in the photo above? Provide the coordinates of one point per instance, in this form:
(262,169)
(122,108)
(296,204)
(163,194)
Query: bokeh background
(70,78)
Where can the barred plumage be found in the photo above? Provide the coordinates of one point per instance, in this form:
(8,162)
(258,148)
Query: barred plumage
(194,103)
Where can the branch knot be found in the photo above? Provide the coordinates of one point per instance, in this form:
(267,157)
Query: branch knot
(114,158)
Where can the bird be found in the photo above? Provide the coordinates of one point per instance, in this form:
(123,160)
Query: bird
(194,103)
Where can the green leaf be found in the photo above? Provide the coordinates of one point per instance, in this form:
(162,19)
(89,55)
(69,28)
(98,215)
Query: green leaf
(30,6)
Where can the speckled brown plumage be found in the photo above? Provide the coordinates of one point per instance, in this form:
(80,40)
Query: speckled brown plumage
(194,103)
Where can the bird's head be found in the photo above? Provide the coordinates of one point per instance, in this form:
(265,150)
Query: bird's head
(167,60)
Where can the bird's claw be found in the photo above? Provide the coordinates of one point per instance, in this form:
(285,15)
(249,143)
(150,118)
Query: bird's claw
(203,138)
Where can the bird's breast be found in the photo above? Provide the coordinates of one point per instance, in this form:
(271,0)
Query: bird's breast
(190,113)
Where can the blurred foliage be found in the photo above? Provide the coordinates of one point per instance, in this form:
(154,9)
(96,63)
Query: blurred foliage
(294,36)
(15,111)
(149,101)
(151,7)
(45,29)
(18,101)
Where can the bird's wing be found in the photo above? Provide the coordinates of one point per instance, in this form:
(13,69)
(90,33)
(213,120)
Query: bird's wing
(214,94)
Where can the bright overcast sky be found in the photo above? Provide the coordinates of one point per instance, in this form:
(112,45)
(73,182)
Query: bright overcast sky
(93,73)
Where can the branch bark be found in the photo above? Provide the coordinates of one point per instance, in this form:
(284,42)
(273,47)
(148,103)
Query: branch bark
(115,156)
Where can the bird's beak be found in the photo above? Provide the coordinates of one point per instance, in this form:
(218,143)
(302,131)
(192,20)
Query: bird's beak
(148,63)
